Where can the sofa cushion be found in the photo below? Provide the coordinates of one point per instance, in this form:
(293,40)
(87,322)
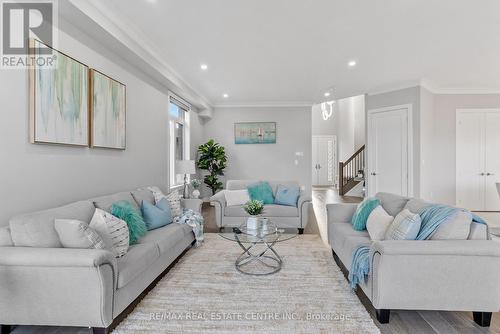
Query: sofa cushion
(378,222)
(143,194)
(105,202)
(133,217)
(138,258)
(166,237)
(156,216)
(352,243)
(287,195)
(77,234)
(338,232)
(362,212)
(113,231)
(37,229)
(261,191)
(393,204)
(271,210)
(5,238)
(236,197)
(415,205)
(243,184)
(455,228)
(405,226)
(478,232)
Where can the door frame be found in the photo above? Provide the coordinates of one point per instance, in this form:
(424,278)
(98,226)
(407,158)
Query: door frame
(335,158)
(410,133)
(483,162)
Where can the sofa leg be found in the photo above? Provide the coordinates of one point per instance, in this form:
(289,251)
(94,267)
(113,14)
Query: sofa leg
(5,329)
(483,319)
(383,316)
(99,330)
(301,230)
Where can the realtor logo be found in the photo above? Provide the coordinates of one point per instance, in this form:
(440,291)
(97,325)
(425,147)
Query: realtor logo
(22,21)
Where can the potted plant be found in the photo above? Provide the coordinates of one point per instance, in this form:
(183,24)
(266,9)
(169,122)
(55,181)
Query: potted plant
(254,208)
(195,183)
(212,157)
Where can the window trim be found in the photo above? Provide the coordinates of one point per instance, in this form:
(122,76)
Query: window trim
(185,121)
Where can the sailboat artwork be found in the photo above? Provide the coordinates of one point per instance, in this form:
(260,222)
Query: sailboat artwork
(255,133)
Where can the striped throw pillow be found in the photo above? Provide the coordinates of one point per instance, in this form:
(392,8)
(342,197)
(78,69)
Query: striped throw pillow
(113,231)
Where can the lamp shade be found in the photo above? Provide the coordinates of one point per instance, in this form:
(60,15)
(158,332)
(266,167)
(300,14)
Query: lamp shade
(185,167)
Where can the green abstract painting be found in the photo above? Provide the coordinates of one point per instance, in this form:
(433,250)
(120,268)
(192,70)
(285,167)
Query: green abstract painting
(59,101)
(255,133)
(108,107)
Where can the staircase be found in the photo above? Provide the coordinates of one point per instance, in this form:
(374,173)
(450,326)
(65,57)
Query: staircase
(351,172)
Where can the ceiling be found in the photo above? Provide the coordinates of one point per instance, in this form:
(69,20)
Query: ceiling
(290,52)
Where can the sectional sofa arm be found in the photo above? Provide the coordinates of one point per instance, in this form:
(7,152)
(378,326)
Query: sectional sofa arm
(340,212)
(437,247)
(55,257)
(192,203)
(219,198)
(56,286)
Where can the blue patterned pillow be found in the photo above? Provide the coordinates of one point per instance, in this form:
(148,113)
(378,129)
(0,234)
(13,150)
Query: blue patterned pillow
(287,195)
(405,226)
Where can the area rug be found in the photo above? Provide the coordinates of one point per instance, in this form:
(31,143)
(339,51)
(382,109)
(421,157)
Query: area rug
(204,293)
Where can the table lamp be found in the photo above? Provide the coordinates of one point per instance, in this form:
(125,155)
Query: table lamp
(185,167)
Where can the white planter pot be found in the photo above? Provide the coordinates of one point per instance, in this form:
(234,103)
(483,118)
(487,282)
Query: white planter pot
(253,223)
(196,193)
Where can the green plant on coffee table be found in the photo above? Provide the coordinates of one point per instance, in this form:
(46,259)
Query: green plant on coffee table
(212,157)
(254,207)
(195,183)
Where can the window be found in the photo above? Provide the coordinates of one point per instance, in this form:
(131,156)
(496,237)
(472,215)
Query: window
(179,137)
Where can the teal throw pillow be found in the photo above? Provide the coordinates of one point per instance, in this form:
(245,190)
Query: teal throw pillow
(132,216)
(261,191)
(287,195)
(363,210)
(156,216)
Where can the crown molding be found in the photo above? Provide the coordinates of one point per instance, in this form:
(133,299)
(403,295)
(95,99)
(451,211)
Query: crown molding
(266,105)
(135,42)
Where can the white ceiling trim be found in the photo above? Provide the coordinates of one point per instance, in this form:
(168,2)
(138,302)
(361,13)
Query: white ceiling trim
(265,105)
(130,38)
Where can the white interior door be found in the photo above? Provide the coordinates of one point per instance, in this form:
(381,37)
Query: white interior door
(323,153)
(492,160)
(470,161)
(388,150)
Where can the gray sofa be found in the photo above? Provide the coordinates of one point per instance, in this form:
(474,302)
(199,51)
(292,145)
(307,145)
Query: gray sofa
(283,216)
(48,285)
(450,275)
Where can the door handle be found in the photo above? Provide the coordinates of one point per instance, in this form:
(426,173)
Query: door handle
(319,166)
(488,174)
(482,174)
(373,173)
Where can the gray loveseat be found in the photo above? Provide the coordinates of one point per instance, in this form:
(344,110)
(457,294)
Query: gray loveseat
(45,284)
(450,275)
(283,216)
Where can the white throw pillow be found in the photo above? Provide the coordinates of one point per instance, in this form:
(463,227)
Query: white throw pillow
(378,222)
(5,237)
(77,234)
(236,197)
(113,231)
(173,198)
(456,228)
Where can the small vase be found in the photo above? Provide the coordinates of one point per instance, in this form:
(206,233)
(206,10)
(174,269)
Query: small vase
(252,223)
(196,194)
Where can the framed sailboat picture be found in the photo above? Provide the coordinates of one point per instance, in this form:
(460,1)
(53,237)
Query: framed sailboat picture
(255,133)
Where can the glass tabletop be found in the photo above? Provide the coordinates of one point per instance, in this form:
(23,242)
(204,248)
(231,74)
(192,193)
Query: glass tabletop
(256,236)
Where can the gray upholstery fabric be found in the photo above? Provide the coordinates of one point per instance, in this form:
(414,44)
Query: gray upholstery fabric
(5,238)
(456,228)
(340,212)
(55,257)
(138,258)
(344,240)
(243,184)
(143,194)
(478,232)
(77,234)
(105,202)
(37,229)
(393,204)
(270,210)
(165,237)
(416,204)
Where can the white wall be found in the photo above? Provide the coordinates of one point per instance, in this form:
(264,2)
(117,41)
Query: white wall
(427,130)
(266,161)
(444,139)
(40,176)
(403,96)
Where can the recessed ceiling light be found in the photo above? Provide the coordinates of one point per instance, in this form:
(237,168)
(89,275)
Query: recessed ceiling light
(327,94)
(204,67)
(152,1)
(225,95)
(352,63)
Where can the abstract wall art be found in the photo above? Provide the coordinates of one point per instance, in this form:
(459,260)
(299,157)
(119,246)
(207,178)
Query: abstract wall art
(255,133)
(59,100)
(108,111)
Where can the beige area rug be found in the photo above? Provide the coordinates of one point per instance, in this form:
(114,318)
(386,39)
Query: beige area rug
(204,293)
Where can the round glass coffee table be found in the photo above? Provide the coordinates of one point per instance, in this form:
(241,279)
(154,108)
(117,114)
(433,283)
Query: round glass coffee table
(258,257)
